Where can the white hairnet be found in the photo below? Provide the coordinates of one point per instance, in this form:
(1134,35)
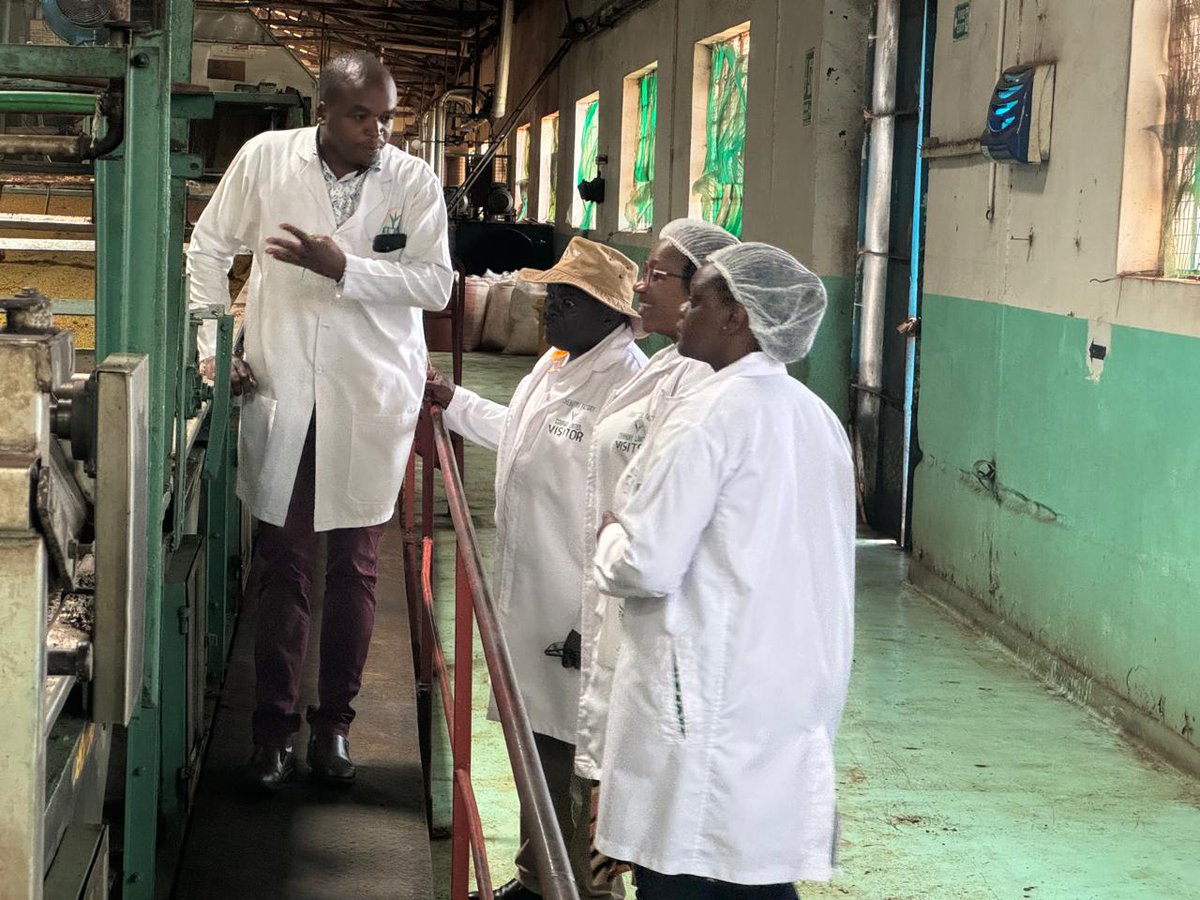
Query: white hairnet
(784,301)
(696,239)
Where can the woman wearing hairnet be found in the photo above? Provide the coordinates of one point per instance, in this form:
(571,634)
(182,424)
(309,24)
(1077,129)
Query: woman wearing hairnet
(683,246)
(733,550)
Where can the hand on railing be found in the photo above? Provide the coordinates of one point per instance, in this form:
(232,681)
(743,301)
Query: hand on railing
(439,390)
(241,376)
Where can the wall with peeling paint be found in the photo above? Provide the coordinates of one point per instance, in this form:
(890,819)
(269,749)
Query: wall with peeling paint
(1058,487)
(801,188)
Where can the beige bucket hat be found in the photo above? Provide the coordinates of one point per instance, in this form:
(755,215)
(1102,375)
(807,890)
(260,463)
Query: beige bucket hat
(600,271)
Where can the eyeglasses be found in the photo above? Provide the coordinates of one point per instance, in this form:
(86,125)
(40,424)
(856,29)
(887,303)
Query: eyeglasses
(650,276)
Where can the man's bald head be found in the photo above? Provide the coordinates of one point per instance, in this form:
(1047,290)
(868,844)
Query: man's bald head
(358,102)
(350,73)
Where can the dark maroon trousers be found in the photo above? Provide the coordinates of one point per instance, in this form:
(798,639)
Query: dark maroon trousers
(288,557)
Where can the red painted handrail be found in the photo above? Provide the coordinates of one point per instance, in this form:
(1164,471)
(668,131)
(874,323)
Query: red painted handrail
(473,601)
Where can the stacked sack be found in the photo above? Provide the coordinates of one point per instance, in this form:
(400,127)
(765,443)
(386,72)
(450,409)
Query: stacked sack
(474,311)
(513,318)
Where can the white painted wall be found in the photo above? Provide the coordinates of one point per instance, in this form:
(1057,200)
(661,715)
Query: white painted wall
(1091,210)
(801,186)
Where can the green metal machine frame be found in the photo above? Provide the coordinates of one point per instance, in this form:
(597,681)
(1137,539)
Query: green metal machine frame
(141,307)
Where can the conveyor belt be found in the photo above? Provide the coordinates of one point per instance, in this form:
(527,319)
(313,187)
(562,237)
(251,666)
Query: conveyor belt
(312,842)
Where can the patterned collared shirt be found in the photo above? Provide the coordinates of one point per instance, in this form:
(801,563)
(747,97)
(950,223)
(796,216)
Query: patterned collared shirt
(345,192)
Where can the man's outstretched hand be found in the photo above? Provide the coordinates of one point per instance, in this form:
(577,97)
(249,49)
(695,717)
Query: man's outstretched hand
(315,252)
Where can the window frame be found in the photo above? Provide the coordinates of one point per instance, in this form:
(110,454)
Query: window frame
(702,163)
(584,214)
(549,151)
(631,147)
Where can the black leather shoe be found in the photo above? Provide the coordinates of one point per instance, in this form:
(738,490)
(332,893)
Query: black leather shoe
(270,767)
(329,757)
(512,890)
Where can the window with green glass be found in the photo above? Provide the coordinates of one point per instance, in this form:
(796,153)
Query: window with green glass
(553,214)
(586,152)
(720,185)
(1180,141)
(522,173)
(548,170)
(639,206)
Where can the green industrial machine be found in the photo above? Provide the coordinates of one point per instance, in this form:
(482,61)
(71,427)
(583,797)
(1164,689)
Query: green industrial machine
(122,544)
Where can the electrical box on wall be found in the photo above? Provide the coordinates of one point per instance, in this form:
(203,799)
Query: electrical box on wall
(1019,116)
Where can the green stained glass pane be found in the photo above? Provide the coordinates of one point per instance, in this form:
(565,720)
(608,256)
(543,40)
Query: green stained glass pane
(552,214)
(523,174)
(639,209)
(719,188)
(589,149)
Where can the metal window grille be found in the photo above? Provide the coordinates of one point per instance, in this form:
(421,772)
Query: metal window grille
(589,149)
(720,186)
(1181,135)
(639,208)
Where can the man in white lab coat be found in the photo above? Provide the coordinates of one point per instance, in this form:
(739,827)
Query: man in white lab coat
(732,547)
(349,242)
(542,438)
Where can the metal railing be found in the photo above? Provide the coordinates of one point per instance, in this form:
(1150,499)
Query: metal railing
(473,602)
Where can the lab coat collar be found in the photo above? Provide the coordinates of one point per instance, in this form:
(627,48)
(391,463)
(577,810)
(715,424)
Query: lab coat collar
(754,365)
(309,173)
(601,357)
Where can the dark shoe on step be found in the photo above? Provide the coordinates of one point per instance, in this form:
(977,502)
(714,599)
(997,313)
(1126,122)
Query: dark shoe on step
(329,757)
(512,890)
(270,767)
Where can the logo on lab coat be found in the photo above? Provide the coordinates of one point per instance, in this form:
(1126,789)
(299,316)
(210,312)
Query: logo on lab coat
(565,429)
(630,442)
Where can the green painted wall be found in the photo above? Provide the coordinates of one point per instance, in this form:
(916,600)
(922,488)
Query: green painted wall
(1089,538)
(826,369)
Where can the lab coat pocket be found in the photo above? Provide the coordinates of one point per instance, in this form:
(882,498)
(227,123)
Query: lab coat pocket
(678,706)
(254,430)
(378,454)
(608,640)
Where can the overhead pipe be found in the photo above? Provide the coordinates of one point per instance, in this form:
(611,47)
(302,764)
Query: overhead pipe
(577,30)
(503,61)
(457,96)
(420,49)
(505,128)
(425,133)
(881,130)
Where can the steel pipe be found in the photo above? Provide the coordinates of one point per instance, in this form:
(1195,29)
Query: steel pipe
(73,146)
(48,102)
(505,129)
(550,853)
(876,235)
(457,96)
(503,61)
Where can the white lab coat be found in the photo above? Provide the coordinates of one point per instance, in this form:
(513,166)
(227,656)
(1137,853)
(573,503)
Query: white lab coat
(355,352)
(619,434)
(542,440)
(735,559)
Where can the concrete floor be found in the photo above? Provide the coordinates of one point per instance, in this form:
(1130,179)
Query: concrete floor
(960,774)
